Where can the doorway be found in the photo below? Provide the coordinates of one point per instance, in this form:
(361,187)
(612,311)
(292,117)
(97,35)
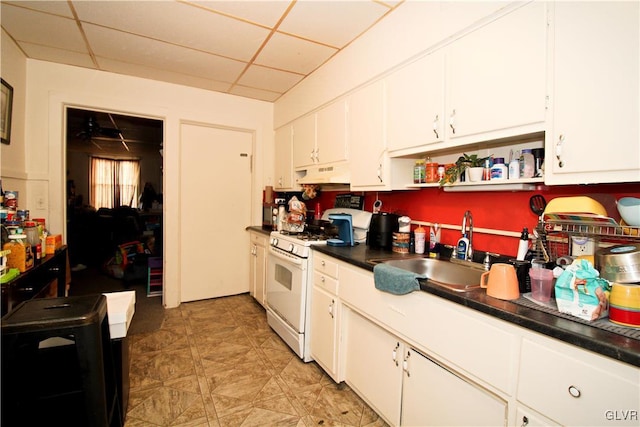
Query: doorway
(94,233)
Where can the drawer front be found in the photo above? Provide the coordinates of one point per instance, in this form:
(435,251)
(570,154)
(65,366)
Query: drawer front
(576,387)
(325,265)
(259,239)
(483,346)
(325,282)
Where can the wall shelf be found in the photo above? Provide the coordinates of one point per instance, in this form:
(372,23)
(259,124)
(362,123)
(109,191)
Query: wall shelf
(508,185)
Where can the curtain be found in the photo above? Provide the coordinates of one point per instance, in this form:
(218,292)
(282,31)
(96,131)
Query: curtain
(113,182)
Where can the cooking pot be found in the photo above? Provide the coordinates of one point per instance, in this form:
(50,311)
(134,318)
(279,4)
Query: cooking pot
(381,229)
(624,304)
(620,263)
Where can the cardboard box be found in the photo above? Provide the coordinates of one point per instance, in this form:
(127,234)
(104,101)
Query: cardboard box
(54,242)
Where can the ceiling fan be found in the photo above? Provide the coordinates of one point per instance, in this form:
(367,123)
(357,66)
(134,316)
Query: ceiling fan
(93,131)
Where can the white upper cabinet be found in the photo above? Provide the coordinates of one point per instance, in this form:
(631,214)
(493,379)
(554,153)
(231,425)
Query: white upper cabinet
(496,78)
(284,158)
(369,163)
(304,141)
(415,104)
(331,144)
(594,135)
(321,138)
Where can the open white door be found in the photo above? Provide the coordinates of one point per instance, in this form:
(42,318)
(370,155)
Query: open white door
(215,209)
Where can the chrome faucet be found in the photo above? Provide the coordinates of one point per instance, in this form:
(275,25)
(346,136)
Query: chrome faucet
(468,219)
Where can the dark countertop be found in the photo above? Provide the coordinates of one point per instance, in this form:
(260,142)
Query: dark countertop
(581,335)
(259,229)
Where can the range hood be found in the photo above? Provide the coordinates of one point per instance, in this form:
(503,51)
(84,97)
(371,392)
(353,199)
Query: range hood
(336,174)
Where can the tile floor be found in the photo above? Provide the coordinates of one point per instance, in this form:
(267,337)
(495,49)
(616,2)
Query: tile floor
(217,363)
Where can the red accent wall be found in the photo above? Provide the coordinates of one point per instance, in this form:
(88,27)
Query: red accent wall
(494,210)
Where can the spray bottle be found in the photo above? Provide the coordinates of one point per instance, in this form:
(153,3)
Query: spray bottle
(523,244)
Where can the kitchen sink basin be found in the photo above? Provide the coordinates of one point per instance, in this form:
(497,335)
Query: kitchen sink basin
(460,276)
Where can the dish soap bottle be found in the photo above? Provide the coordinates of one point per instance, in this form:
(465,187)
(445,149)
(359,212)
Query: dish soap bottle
(462,247)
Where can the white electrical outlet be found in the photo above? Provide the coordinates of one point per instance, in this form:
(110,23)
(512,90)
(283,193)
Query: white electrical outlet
(582,246)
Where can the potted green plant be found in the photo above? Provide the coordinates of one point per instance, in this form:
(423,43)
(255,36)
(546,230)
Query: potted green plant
(464,162)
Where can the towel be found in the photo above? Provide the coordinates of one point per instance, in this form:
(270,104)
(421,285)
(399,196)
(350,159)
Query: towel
(395,280)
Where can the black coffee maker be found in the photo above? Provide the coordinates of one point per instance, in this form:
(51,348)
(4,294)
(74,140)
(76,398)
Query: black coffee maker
(381,229)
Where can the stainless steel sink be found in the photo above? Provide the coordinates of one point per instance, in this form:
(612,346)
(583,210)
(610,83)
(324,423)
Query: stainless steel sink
(460,276)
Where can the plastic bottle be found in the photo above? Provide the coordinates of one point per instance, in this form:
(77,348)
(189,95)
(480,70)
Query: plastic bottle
(527,164)
(499,170)
(434,240)
(514,168)
(420,234)
(462,247)
(419,172)
(523,244)
(486,171)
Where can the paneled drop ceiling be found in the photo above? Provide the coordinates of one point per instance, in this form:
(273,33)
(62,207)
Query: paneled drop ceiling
(254,49)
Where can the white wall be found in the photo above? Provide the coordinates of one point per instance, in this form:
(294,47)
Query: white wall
(51,87)
(12,157)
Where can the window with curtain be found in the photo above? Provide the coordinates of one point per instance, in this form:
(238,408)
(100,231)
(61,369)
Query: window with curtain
(114,182)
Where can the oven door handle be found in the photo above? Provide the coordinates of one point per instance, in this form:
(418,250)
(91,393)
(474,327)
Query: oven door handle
(290,259)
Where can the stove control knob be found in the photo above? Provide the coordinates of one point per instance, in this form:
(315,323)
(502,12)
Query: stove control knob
(274,241)
(292,247)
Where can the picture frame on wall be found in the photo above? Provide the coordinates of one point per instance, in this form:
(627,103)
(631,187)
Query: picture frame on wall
(5,112)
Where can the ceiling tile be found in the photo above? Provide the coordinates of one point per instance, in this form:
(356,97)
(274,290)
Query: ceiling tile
(41,28)
(246,47)
(293,54)
(266,78)
(178,23)
(261,12)
(51,54)
(151,53)
(335,23)
(162,75)
(56,7)
(254,93)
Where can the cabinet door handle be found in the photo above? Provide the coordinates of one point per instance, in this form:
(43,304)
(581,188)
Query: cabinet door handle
(405,364)
(525,421)
(331,308)
(435,126)
(394,353)
(379,171)
(559,150)
(452,122)
(574,391)
(322,263)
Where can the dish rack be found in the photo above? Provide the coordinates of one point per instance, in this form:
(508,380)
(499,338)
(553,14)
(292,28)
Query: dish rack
(557,233)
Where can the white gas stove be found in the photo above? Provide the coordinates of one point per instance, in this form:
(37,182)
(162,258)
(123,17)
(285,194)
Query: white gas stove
(289,279)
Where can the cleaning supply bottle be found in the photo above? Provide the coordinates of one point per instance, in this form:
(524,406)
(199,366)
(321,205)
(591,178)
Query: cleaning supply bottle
(523,244)
(462,247)
(434,240)
(420,234)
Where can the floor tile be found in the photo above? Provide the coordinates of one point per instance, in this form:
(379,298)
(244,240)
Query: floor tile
(217,363)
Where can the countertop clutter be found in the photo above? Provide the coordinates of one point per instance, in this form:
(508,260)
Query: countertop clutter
(605,342)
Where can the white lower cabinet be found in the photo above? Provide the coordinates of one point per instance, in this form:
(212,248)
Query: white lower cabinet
(325,312)
(420,360)
(526,417)
(433,395)
(258,266)
(325,316)
(373,365)
(572,386)
(407,388)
